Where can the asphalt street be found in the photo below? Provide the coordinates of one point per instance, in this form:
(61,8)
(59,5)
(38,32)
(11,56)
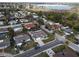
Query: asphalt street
(32,52)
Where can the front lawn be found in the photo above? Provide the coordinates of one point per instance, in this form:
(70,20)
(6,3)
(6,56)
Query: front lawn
(71,38)
(25,47)
(10,50)
(67,52)
(50,38)
(60,32)
(59,48)
(30,45)
(43,54)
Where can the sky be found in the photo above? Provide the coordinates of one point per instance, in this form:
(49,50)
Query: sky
(77,1)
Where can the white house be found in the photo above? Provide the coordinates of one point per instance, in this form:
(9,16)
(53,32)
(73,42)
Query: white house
(45,29)
(67,30)
(24,20)
(39,34)
(19,39)
(4,42)
(22,14)
(18,28)
(35,15)
(12,22)
(1,15)
(1,23)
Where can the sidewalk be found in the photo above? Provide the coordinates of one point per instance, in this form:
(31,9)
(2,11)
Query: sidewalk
(50,52)
(6,55)
(60,38)
(40,42)
(73,46)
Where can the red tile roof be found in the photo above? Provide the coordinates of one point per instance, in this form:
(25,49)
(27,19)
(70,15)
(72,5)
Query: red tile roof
(29,25)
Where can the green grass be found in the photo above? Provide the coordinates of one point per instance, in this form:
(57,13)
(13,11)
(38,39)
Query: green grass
(30,45)
(71,38)
(10,50)
(43,54)
(60,32)
(50,38)
(59,48)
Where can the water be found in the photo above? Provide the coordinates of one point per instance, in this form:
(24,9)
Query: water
(56,7)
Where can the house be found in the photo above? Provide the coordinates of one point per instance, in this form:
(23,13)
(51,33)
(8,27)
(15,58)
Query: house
(12,22)
(67,30)
(11,17)
(39,34)
(46,30)
(22,14)
(44,20)
(53,26)
(23,20)
(49,22)
(1,23)
(28,13)
(19,39)
(77,36)
(16,15)
(1,15)
(18,28)
(4,41)
(35,15)
(31,25)
(3,32)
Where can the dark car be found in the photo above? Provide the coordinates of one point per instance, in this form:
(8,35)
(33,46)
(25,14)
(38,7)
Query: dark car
(37,47)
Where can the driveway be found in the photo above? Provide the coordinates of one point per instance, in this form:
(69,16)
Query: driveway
(40,42)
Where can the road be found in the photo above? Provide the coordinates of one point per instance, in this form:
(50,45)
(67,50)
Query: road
(32,52)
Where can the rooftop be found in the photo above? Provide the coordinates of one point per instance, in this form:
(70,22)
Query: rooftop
(3,30)
(20,38)
(29,25)
(37,34)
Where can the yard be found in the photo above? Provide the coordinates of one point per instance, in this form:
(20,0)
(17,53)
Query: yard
(59,48)
(50,38)
(60,32)
(66,53)
(30,45)
(27,46)
(43,54)
(10,50)
(71,38)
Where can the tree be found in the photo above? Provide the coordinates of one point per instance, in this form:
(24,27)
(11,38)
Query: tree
(11,35)
(56,17)
(40,13)
(21,6)
(24,29)
(74,16)
(23,45)
(41,21)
